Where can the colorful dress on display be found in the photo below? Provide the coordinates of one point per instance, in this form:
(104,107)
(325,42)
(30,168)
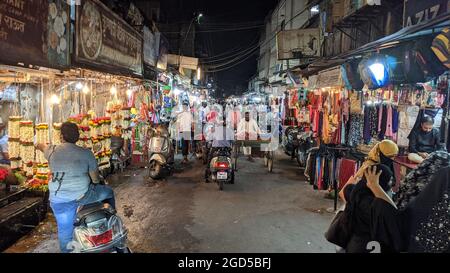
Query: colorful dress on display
(356,130)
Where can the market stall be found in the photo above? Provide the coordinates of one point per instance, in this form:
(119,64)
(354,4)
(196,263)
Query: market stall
(353,106)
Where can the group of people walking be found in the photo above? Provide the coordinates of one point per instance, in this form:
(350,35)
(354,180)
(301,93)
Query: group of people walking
(220,124)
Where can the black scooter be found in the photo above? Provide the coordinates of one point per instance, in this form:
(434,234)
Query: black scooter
(290,141)
(305,142)
(220,169)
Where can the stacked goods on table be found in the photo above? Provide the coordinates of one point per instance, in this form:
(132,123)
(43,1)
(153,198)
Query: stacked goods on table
(27,147)
(14,142)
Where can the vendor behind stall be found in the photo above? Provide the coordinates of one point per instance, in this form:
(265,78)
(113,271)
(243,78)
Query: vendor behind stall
(4,155)
(424,140)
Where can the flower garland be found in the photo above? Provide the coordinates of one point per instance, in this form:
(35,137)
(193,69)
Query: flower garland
(14,141)
(42,136)
(27,150)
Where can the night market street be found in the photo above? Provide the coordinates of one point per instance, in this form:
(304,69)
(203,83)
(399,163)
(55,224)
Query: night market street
(234,128)
(262,212)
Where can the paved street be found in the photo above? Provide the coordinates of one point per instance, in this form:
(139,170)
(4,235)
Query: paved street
(262,212)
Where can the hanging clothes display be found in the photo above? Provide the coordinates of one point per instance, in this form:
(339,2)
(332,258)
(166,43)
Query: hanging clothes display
(347,168)
(407,119)
(370,123)
(389,131)
(356,129)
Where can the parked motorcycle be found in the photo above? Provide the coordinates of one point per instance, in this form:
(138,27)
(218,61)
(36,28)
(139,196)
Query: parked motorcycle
(290,141)
(161,153)
(119,159)
(201,150)
(220,168)
(105,168)
(305,142)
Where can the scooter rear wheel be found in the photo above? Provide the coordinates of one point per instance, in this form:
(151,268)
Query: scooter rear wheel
(154,170)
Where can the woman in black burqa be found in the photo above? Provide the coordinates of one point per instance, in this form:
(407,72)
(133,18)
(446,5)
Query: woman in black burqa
(360,200)
(421,223)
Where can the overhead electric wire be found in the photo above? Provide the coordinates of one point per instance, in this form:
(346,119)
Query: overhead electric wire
(263,43)
(230,56)
(219,29)
(231,66)
(232,51)
(248,23)
(237,58)
(230,63)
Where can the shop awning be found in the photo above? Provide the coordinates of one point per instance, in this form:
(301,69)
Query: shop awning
(433,26)
(430,27)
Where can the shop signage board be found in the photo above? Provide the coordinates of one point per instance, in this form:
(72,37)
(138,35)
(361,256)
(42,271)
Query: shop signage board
(298,43)
(419,11)
(135,16)
(35,32)
(312,82)
(105,41)
(183,61)
(58,26)
(330,78)
(151,47)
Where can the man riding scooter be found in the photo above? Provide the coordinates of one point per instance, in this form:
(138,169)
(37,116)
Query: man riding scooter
(221,137)
(73,169)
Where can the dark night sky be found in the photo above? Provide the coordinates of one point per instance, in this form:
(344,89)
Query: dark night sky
(224,12)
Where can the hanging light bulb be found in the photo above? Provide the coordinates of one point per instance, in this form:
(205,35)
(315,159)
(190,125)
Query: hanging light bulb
(54,99)
(129,92)
(86,89)
(79,86)
(379,72)
(113,90)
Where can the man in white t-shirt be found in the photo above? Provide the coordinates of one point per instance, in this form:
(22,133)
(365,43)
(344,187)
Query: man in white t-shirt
(248,129)
(184,126)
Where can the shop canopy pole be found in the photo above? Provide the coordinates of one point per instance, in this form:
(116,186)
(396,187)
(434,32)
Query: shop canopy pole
(447,116)
(90,96)
(41,109)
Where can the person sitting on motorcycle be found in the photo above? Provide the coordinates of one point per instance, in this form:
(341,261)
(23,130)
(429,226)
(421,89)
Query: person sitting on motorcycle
(221,137)
(75,181)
